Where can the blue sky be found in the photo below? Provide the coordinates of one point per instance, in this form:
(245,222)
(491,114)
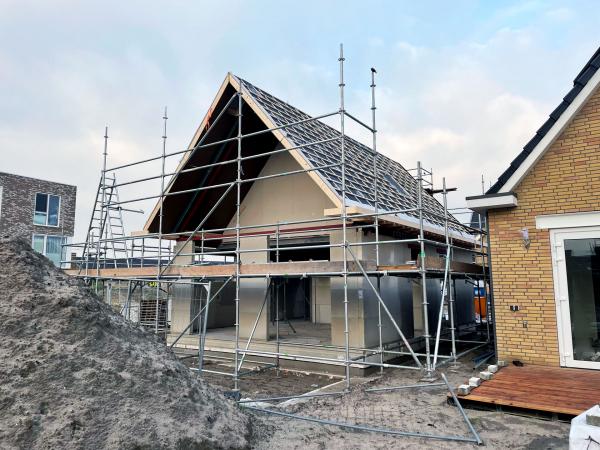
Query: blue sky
(462,85)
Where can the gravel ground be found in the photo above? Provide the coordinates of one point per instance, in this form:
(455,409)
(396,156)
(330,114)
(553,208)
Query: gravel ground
(423,410)
(267,383)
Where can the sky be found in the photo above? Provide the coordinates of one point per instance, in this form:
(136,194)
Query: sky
(461,85)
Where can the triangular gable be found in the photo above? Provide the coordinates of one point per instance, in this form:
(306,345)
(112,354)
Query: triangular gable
(223,95)
(397,189)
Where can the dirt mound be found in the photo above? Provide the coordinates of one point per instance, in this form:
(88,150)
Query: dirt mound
(74,374)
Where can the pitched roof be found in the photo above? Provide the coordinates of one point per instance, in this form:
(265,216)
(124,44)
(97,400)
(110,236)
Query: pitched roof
(582,79)
(397,188)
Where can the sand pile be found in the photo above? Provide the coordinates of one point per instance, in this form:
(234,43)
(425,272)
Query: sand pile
(73,374)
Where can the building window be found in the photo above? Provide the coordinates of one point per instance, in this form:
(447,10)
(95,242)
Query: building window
(47,209)
(49,246)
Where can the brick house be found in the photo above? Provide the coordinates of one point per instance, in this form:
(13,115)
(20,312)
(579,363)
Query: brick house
(43,212)
(544,234)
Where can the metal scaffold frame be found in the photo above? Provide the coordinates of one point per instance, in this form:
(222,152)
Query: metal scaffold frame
(155,250)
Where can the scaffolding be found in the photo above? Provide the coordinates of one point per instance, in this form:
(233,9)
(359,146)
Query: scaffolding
(153,266)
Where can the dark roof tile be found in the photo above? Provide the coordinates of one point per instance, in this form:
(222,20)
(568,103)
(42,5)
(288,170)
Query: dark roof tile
(546,126)
(574,92)
(519,159)
(359,163)
(535,140)
(585,76)
(559,110)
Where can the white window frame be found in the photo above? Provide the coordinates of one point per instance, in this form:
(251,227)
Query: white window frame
(47,209)
(561,293)
(33,236)
(45,247)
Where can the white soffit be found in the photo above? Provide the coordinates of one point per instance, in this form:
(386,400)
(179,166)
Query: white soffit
(584,219)
(483,202)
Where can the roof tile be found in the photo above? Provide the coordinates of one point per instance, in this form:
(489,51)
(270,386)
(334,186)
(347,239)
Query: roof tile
(359,163)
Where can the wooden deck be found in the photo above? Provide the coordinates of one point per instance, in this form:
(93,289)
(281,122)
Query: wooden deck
(539,388)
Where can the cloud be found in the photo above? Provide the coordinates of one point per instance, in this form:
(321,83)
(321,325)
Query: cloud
(412,51)
(462,96)
(560,14)
(461,116)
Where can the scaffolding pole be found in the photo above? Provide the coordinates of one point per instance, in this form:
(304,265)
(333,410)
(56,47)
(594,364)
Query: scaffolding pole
(160,220)
(429,372)
(150,253)
(343,218)
(238,262)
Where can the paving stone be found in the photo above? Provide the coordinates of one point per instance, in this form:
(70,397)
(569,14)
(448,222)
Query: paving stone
(464,389)
(486,375)
(492,368)
(474,381)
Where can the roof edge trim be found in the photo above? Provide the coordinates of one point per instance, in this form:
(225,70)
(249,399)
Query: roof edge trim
(486,202)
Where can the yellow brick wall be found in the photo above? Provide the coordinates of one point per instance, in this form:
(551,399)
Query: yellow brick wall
(565,180)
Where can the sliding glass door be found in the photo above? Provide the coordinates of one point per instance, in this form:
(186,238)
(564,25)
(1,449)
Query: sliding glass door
(577,273)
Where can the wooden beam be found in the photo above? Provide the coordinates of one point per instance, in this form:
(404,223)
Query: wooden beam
(271,269)
(225,270)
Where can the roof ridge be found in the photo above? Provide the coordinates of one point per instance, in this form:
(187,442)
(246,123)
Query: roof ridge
(325,124)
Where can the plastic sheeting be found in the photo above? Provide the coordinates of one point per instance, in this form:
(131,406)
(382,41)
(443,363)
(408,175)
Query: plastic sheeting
(582,435)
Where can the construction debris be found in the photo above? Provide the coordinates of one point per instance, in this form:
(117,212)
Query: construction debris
(492,368)
(464,389)
(474,382)
(485,376)
(74,374)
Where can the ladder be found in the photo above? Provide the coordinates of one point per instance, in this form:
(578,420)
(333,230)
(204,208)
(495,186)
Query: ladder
(106,224)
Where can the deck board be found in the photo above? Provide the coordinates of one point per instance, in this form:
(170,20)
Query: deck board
(539,388)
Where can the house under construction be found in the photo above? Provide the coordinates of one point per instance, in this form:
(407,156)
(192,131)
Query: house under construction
(280,239)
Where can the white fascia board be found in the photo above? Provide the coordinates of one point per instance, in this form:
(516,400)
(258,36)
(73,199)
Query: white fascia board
(494,201)
(553,134)
(409,221)
(571,220)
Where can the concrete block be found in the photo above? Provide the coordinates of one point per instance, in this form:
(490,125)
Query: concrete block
(464,389)
(492,368)
(593,417)
(501,363)
(474,382)
(485,376)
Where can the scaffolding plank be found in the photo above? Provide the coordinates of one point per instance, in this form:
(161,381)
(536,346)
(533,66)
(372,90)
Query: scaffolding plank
(225,270)
(273,269)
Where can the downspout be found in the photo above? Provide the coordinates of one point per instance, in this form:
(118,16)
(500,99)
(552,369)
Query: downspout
(491,283)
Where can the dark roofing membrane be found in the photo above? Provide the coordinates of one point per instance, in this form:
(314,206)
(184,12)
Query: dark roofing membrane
(360,189)
(579,83)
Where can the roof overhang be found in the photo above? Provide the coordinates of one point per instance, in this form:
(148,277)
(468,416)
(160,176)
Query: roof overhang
(396,219)
(482,203)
